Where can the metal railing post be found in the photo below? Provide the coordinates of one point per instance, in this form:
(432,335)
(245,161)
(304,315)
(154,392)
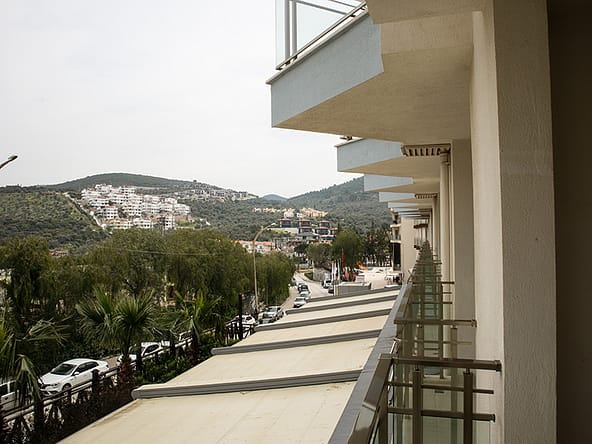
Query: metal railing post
(417,404)
(294,19)
(287,52)
(454,382)
(468,408)
(383,418)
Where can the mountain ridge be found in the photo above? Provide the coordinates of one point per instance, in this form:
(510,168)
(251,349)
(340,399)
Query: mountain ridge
(346,205)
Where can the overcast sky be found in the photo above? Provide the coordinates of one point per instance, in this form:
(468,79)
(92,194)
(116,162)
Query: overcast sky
(170,88)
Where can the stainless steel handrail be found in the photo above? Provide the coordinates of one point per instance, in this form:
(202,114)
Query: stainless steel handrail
(351,15)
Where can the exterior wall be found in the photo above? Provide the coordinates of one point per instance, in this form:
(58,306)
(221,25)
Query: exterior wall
(487,215)
(514,248)
(462,267)
(526,166)
(571,91)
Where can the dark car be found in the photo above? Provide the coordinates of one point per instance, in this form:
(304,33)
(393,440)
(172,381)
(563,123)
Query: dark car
(301,287)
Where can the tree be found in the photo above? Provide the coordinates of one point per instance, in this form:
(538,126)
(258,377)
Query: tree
(274,274)
(16,364)
(376,245)
(133,260)
(120,320)
(28,289)
(197,316)
(320,254)
(347,248)
(208,262)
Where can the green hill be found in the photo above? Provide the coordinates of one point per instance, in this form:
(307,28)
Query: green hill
(120,179)
(45,213)
(347,205)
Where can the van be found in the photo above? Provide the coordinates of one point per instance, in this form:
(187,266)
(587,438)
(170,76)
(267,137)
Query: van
(8,395)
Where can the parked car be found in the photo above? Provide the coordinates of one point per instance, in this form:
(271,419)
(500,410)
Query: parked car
(248,321)
(305,293)
(302,286)
(273,313)
(299,301)
(293,283)
(147,349)
(331,289)
(70,373)
(7,395)
(326,283)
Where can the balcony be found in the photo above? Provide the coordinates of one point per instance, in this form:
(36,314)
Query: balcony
(402,81)
(423,392)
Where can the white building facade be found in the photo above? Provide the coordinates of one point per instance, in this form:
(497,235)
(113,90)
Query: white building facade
(446,106)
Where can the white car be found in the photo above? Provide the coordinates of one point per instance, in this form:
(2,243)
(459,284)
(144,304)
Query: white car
(299,301)
(69,374)
(248,321)
(8,395)
(305,293)
(147,349)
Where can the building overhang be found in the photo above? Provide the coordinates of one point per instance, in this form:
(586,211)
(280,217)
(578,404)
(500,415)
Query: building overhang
(405,81)
(383,11)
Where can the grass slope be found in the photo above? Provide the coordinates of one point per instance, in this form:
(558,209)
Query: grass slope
(51,215)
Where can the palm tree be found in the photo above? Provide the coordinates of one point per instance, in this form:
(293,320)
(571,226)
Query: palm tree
(198,316)
(16,364)
(122,321)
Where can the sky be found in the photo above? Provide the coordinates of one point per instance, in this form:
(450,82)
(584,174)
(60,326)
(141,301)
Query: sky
(172,89)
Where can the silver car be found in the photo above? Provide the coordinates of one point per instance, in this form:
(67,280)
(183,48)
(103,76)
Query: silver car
(299,301)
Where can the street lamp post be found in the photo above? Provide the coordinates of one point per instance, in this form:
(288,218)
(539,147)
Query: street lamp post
(255,265)
(10,159)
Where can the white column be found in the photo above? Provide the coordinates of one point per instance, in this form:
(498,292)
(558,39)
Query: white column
(435,226)
(445,215)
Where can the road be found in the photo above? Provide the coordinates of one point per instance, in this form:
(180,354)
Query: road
(316,290)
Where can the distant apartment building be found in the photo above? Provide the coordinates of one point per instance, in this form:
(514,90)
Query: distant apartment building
(110,212)
(263,247)
(182,209)
(143,223)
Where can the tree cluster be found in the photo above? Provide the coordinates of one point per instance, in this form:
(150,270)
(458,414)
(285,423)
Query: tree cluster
(134,286)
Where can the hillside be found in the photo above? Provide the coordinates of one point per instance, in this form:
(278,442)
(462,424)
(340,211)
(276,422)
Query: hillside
(45,213)
(49,213)
(120,179)
(347,204)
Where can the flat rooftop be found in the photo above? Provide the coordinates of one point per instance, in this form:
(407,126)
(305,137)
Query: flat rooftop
(289,382)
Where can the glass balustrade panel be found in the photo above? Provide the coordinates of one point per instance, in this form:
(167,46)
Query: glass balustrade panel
(299,22)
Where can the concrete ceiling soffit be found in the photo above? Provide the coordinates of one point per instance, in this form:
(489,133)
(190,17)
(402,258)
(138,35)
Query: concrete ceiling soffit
(394,197)
(374,183)
(422,97)
(383,11)
(415,167)
(417,187)
(360,153)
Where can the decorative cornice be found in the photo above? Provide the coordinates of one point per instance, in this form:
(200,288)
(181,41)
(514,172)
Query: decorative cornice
(425,150)
(426,195)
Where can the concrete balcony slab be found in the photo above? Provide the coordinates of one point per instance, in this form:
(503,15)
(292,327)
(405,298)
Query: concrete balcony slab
(373,82)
